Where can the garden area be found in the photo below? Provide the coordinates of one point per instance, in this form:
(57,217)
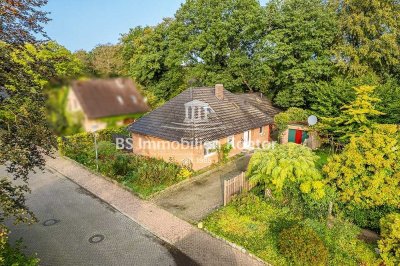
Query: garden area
(339,205)
(287,220)
(280,236)
(142,175)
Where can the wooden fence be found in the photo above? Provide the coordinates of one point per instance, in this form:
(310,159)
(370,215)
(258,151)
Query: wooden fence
(235,186)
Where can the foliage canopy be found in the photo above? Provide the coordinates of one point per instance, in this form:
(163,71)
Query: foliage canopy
(287,167)
(367,173)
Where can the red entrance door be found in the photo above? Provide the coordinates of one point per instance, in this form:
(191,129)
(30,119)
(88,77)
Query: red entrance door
(299,136)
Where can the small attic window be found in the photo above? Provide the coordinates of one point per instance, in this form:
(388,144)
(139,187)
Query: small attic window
(208,110)
(134,99)
(120,100)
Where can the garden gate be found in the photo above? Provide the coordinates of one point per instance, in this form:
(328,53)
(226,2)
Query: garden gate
(235,186)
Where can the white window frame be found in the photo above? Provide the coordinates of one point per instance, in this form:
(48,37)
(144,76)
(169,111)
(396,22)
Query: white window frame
(261,131)
(247,144)
(210,148)
(231,140)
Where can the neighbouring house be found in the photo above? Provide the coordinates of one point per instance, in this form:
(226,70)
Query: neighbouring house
(189,128)
(100,102)
(299,132)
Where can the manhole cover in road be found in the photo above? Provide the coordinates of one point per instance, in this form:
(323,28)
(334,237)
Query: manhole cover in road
(50,222)
(96,239)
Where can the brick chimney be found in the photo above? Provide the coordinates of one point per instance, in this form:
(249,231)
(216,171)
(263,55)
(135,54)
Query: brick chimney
(219,91)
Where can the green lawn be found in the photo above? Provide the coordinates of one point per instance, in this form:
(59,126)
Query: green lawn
(255,224)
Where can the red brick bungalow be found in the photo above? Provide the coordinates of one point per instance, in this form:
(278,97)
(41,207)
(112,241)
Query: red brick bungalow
(189,127)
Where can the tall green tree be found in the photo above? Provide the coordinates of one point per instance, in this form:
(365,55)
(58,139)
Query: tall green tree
(328,98)
(22,21)
(57,64)
(207,42)
(297,46)
(54,67)
(146,50)
(106,60)
(24,134)
(131,43)
(217,42)
(84,58)
(355,117)
(103,61)
(370,33)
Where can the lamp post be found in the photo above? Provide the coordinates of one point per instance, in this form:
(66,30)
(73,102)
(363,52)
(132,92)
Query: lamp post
(94,129)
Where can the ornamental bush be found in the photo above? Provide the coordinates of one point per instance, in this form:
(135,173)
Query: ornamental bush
(287,170)
(367,173)
(302,246)
(389,245)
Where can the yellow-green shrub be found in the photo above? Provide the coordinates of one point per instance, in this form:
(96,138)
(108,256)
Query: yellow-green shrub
(287,167)
(184,173)
(302,246)
(389,245)
(367,173)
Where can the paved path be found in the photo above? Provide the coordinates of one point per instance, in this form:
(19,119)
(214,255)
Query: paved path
(196,199)
(195,243)
(69,216)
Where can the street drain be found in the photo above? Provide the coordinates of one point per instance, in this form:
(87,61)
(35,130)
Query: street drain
(50,222)
(96,239)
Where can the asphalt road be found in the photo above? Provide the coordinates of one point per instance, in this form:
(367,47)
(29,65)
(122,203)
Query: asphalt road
(77,228)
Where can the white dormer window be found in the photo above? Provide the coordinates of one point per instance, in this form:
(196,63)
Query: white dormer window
(134,99)
(196,111)
(120,100)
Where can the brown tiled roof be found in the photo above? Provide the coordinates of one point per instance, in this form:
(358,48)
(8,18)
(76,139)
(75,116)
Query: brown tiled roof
(230,116)
(259,101)
(109,97)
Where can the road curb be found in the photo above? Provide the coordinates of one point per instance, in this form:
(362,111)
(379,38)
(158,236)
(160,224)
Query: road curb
(168,239)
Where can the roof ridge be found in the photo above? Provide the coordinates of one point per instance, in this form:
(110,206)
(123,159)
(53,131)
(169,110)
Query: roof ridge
(226,120)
